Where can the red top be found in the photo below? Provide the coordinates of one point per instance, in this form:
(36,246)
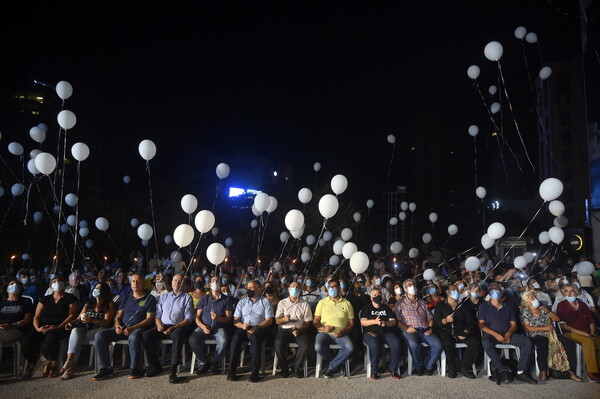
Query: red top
(580,318)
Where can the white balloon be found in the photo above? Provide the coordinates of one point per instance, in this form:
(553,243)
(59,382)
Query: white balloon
(189,203)
(393,221)
(84,231)
(17,189)
(294,220)
(402,216)
(495,108)
(304,195)
(80,151)
(34,153)
(272,205)
(56,209)
(428,274)
(145,232)
(396,247)
(520,262)
(25,257)
(183,235)
(261,202)
(493,90)
(391,138)
(544,237)
(147,149)
(370,203)
(427,238)
(328,206)
(43,126)
(283,237)
(204,221)
(176,255)
(277,266)
(83,223)
(327,236)
(126,179)
(359,262)
(550,189)
(310,239)
(37,134)
(487,242)
(37,217)
(556,234)
(134,222)
(216,253)
(452,229)
(496,231)
(473,72)
(297,233)
(66,119)
(346,234)
(71,220)
(317,166)
(473,130)
(472,263)
(529,257)
(254,223)
(404,205)
(334,260)
(45,163)
(531,38)
(31,167)
(64,228)
(412,207)
(493,51)
(71,199)
(255,211)
(168,239)
(545,72)
(376,248)
(433,217)
(102,224)
(306,249)
(561,221)
(585,268)
(214,231)
(413,253)
(15,148)
(481,192)
(338,246)
(223,171)
(305,257)
(557,208)
(89,243)
(356,217)
(64,89)
(349,249)
(321,242)
(520,32)
(339,183)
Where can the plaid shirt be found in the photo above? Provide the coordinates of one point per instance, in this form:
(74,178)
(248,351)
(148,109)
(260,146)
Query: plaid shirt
(413,315)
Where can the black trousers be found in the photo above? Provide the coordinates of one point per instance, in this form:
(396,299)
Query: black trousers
(152,337)
(541,347)
(283,338)
(50,343)
(256,340)
(473,343)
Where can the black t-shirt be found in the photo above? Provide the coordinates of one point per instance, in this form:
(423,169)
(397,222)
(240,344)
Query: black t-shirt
(13,311)
(383,311)
(55,313)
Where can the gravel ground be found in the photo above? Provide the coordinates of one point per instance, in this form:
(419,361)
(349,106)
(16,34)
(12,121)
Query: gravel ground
(274,387)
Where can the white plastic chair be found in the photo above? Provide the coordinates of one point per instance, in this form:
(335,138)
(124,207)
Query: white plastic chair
(290,345)
(505,349)
(443,360)
(409,360)
(320,359)
(207,342)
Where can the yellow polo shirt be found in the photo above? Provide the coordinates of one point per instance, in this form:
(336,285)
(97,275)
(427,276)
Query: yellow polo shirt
(333,313)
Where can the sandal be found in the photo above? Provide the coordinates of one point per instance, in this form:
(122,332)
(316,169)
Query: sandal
(68,374)
(53,370)
(46,368)
(28,371)
(68,365)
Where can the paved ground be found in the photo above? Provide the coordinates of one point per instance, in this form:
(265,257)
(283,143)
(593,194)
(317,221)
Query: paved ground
(358,386)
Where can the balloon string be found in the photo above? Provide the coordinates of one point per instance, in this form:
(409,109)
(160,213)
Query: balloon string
(483,215)
(7,210)
(475,158)
(8,168)
(390,168)
(216,195)
(152,207)
(513,115)
(27,201)
(126,239)
(309,264)
(527,72)
(338,268)
(22,167)
(412,216)
(56,175)
(539,47)
(502,158)
(117,248)
(590,36)
(193,255)
(261,238)
(252,246)
(76,216)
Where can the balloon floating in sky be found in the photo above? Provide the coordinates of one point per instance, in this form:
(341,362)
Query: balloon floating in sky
(66,119)
(64,89)
(520,32)
(545,72)
(317,166)
(473,72)
(223,171)
(531,38)
(391,139)
(147,149)
(493,51)
(473,130)
(80,151)
(551,189)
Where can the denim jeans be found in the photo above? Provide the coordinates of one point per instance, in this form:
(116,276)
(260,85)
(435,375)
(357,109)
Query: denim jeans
(376,349)
(520,341)
(105,337)
(197,339)
(414,341)
(322,347)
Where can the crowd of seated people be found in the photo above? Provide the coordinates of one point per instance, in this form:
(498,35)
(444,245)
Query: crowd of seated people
(389,313)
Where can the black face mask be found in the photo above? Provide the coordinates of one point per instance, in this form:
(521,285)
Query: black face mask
(269,290)
(377,300)
(250,293)
(198,285)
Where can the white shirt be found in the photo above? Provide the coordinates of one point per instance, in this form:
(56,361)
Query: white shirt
(299,312)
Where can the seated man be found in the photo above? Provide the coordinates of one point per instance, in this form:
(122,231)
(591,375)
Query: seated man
(379,322)
(214,315)
(334,319)
(498,322)
(174,315)
(135,314)
(416,322)
(293,317)
(252,317)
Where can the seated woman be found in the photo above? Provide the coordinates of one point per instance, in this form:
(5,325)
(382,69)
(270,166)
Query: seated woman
(52,314)
(198,290)
(162,286)
(97,314)
(433,296)
(537,322)
(16,313)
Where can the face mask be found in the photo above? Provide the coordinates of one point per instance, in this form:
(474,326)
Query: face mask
(495,294)
(107,267)
(571,298)
(250,293)
(295,292)
(342,285)
(85,268)
(454,295)
(269,290)
(225,280)
(360,280)
(398,291)
(159,286)
(24,281)
(535,303)
(578,285)
(220,274)
(283,280)
(309,282)
(299,281)
(333,292)
(363,290)
(204,272)
(431,290)
(153,274)
(46,269)
(57,286)
(378,281)
(460,286)
(206,280)
(377,300)
(13,289)
(536,285)
(96,293)
(134,269)
(225,293)
(245,281)
(474,295)
(198,285)
(215,286)
(411,290)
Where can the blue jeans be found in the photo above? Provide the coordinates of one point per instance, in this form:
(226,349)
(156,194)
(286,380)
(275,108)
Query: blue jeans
(105,337)
(376,348)
(519,340)
(197,339)
(322,348)
(414,340)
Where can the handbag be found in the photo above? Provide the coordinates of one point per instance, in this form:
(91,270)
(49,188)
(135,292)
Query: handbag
(557,357)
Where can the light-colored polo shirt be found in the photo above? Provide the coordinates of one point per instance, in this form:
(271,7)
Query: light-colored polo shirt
(334,313)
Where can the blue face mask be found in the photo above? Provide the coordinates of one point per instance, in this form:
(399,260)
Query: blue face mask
(333,292)
(431,290)
(295,292)
(24,280)
(495,294)
(454,295)
(13,289)
(571,298)
(225,280)
(342,285)
(363,290)
(309,283)
(474,295)
(96,293)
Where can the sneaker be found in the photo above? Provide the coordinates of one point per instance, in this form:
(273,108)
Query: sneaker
(153,370)
(300,373)
(394,375)
(102,374)
(284,373)
(254,377)
(418,372)
(505,376)
(374,376)
(451,373)
(524,377)
(343,371)
(467,373)
(593,377)
(173,379)
(428,372)
(134,374)
(232,376)
(329,373)
(202,369)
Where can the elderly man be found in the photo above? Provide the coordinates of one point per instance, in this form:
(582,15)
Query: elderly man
(498,322)
(252,317)
(135,314)
(334,319)
(214,315)
(174,316)
(379,323)
(416,322)
(293,317)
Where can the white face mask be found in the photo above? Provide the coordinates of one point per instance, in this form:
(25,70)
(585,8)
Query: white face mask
(215,286)
(159,286)
(411,290)
(398,291)
(57,286)
(535,303)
